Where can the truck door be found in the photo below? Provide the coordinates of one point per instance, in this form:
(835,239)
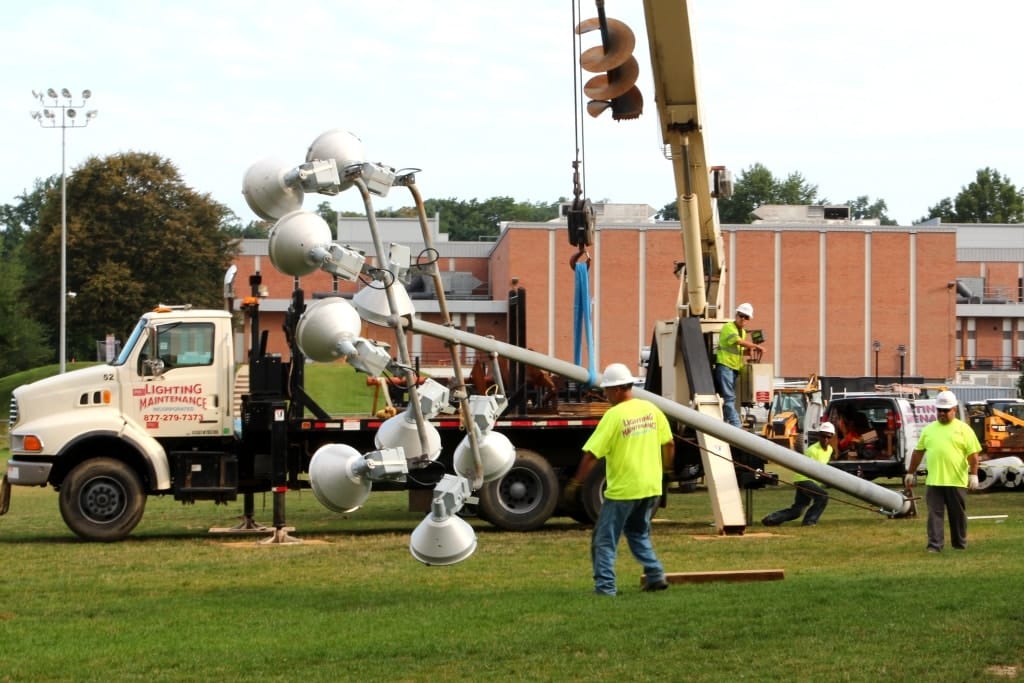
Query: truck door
(177,387)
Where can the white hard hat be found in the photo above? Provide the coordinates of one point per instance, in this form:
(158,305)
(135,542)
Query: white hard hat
(826,428)
(746,309)
(946,400)
(616,375)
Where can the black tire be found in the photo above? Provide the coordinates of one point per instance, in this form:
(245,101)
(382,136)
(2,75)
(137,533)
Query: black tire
(102,500)
(524,498)
(592,490)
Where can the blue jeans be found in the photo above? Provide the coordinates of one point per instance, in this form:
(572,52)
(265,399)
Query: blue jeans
(632,518)
(725,382)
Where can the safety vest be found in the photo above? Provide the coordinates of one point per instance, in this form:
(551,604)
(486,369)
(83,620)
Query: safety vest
(730,353)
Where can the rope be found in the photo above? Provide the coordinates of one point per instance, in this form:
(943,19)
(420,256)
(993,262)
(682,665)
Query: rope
(582,323)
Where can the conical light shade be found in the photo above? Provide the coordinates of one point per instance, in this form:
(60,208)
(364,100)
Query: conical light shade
(441,542)
(267,192)
(400,432)
(336,475)
(372,304)
(292,240)
(325,324)
(497,455)
(340,145)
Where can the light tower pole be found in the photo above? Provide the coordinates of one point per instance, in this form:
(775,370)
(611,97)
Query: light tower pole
(61,111)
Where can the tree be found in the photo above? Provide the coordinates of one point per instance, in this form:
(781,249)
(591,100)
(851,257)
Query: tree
(991,198)
(22,342)
(752,188)
(472,220)
(17,219)
(136,236)
(861,207)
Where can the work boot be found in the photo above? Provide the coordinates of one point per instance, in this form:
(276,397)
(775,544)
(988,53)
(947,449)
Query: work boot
(656,585)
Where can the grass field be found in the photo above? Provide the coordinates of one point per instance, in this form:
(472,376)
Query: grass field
(861,600)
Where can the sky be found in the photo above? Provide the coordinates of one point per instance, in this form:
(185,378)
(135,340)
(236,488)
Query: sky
(901,100)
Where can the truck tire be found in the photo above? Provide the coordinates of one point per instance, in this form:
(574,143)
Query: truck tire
(102,500)
(524,498)
(592,490)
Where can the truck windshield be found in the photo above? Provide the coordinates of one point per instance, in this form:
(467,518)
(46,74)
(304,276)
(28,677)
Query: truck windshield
(126,350)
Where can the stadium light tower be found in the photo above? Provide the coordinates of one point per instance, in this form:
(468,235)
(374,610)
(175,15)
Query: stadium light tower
(60,110)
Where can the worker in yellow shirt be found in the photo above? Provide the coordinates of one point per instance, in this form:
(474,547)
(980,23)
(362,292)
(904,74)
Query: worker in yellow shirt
(952,448)
(732,340)
(808,491)
(635,440)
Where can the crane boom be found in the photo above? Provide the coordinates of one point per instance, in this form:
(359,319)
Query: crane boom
(675,86)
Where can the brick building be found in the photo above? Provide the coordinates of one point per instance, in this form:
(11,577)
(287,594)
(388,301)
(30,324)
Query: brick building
(824,291)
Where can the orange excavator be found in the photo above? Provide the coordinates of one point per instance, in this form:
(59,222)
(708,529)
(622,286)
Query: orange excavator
(793,404)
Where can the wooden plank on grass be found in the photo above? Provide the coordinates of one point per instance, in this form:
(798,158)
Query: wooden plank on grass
(734,575)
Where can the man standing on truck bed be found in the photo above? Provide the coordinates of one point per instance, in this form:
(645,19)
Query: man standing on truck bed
(952,448)
(729,360)
(635,439)
(808,491)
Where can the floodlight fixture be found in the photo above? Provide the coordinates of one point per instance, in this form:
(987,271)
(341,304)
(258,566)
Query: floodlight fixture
(50,92)
(366,356)
(65,92)
(269,190)
(494,453)
(86,94)
(497,456)
(433,397)
(372,303)
(421,442)
(319,175)
(229,281)
(342,478)
(444,538)
(91,114)
(328,329)
(378,178)
(340,146)
(72,113)
(299,242)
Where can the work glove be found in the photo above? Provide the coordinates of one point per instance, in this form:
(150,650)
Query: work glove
(972,482)
(909,480)
(571,493)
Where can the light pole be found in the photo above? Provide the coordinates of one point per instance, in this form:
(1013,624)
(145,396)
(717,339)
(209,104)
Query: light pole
(902,350)
(64,103)
(877,346)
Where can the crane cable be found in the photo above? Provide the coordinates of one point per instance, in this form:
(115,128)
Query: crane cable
(583,327)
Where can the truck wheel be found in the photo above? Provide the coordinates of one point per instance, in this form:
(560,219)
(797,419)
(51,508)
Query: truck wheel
(102,500)
(592,490)
(524,498)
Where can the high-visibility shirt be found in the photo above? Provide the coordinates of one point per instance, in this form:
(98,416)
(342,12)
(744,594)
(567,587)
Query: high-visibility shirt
(629,438)
(730,353)
(947,447)
(814,452)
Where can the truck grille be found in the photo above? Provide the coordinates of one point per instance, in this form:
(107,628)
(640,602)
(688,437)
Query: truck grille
(13,414)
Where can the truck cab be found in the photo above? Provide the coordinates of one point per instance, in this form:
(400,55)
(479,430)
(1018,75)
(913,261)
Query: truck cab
(108,435)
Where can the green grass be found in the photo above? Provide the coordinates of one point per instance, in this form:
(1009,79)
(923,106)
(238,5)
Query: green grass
(861,600)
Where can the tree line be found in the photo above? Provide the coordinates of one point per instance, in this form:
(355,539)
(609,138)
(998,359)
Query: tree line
(137,235)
